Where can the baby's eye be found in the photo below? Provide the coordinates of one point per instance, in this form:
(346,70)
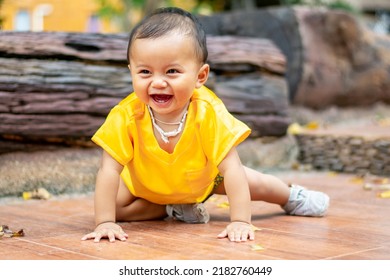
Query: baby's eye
(172,71)
(144,71)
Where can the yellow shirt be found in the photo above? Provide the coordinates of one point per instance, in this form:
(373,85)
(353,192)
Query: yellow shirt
(187,174)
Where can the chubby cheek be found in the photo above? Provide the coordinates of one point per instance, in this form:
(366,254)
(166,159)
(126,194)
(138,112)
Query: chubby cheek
(184,93)
(141,91)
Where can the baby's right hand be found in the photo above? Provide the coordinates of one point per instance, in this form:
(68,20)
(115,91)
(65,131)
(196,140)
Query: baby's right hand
(108,230)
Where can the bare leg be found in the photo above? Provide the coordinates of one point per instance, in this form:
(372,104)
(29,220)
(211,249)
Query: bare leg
(131,208)
(263,187)
(294,201)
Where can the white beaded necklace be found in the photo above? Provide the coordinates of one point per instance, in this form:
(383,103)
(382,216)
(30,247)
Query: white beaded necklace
(166,134)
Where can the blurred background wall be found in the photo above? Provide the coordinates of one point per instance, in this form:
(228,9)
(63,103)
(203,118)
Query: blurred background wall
(110,16)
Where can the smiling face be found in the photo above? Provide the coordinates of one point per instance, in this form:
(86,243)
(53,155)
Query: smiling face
(165,71)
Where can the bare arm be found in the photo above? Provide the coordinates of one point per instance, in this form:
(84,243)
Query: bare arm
(107,184)
(237,191)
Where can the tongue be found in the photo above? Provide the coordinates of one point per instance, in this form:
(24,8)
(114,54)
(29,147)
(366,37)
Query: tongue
(161,98)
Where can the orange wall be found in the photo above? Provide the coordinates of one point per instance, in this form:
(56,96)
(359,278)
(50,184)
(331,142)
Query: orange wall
(66,15)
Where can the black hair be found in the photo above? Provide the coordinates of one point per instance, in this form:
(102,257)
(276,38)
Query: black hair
(165,20)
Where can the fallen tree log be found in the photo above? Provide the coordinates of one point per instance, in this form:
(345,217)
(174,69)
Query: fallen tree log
(333,58)
(57,88)
(354,65)
(65,46)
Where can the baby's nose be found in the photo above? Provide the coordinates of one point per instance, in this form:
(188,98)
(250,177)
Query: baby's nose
(159,83)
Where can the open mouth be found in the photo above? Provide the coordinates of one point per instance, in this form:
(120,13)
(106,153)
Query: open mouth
(161,98)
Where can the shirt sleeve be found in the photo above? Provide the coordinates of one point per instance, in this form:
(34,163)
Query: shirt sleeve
(114,136)
(221,131)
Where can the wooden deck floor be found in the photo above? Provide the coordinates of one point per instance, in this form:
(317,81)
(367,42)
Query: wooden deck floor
(357,227)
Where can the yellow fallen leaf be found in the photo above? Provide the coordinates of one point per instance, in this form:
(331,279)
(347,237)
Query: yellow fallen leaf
(294,128)
(380,181)
(40,193)
(332,174)
(357,180)
(224,205)
(385,194)
(18,233)
(257,247)
(368,186)
(6,232)
(312,125)
(254,228)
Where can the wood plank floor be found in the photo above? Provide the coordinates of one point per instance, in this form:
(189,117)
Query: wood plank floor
(357,227)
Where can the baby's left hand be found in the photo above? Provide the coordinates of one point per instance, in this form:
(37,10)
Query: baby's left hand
(238,232)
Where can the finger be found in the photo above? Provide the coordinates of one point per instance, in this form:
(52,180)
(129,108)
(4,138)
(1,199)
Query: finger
(122,236)
(241,235)
(98,236)
(223,234)
(244,236)
(251,235)
(231,236)
(122,233)
(88,236)
(111,236)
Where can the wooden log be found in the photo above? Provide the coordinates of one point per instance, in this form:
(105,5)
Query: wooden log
(60,92)
(353,68)
(254,94)
(266,125)
(109,48)
(333,58)
(277,24)
(48,76)
(263,98)
(247,54)
(49,125)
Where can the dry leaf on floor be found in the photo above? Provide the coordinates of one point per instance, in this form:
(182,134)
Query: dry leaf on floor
(223,205)
(40,193)
(380,180)
(312,125)
(294,129)
(384,194)
(357,180)
(254,228)
(381,183)
(257,247)
(6,232)
(368,186)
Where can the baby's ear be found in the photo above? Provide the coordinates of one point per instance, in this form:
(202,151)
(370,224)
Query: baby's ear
(203,75)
